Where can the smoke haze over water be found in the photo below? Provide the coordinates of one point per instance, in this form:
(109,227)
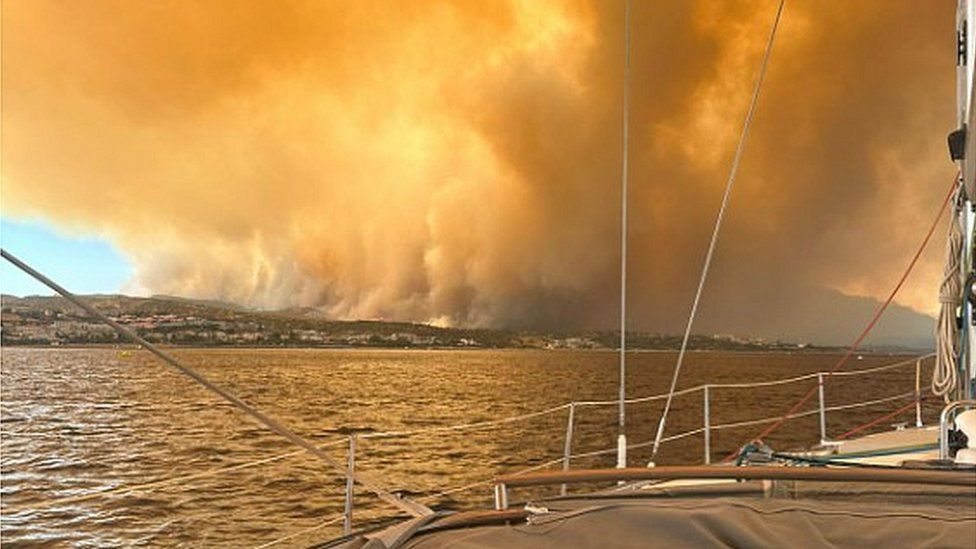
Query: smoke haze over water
(459,162)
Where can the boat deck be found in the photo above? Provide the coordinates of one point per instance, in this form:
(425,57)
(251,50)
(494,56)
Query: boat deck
(887,448)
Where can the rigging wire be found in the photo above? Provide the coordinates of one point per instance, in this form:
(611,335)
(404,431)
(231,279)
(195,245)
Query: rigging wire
(879,419)
(621,435)
(406,505)
(867,329)
(820,462)
(747,124)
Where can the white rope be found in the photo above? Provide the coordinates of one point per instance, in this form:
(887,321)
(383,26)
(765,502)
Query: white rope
(465,426)
(718,222)
(784,381)
(637,400)
(944,376)
(912,361)
(722,426)
(799,415)
(882,368)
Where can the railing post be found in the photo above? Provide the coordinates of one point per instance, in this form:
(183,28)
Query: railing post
(350,485)
(501,496)
(823,412)
(707,427)
(918,393)
(568,444)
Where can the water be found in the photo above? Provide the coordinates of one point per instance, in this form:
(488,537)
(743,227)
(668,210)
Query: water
(80,421)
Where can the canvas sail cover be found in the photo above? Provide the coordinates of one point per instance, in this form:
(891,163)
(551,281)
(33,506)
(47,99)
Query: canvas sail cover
(790,515)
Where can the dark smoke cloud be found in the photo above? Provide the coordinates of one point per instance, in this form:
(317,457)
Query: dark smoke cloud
(459,162)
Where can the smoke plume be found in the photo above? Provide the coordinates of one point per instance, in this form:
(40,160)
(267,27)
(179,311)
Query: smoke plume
(459,162)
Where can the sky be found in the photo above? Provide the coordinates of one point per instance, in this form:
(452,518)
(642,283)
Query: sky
(458,162)
(82,264)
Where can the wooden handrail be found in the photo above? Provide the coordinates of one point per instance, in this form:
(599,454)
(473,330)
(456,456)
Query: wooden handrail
(822,474)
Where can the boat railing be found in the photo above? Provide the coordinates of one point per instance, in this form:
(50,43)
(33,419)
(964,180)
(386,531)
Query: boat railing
(532,474)
(945,418)
(573,409)
(706,430)
(963,478)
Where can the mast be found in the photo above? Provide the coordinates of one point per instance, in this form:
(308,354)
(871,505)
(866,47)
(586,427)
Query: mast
(622,435)
(964,152)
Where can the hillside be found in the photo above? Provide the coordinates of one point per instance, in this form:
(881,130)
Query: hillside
(42,320)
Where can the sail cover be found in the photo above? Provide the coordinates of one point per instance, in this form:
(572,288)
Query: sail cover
(803,517)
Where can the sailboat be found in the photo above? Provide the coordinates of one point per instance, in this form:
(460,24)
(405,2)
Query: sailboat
(911,486)
(905,487)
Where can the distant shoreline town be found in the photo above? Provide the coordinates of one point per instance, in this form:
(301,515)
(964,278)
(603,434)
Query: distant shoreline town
(52,321)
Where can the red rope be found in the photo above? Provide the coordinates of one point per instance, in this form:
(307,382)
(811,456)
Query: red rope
(874,422)
(867,329)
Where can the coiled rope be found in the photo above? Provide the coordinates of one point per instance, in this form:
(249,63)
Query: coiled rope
(945,376)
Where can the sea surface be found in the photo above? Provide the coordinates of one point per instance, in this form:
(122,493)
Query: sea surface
(107,447)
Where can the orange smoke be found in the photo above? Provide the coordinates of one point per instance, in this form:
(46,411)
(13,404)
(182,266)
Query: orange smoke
(458,162)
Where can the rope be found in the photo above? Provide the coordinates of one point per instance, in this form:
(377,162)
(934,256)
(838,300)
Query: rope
(808,413)
(466,426)
(876,421)
(867,329)
(863,371)
(784,381)
(944,376)
(837,462)
(718,222)
(403,504)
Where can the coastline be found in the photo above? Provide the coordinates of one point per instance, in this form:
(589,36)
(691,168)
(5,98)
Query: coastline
(745,352)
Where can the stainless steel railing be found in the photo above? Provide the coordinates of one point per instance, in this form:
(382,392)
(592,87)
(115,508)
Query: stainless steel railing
(706,430)
(948,413)
(822,409)
(573,409)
